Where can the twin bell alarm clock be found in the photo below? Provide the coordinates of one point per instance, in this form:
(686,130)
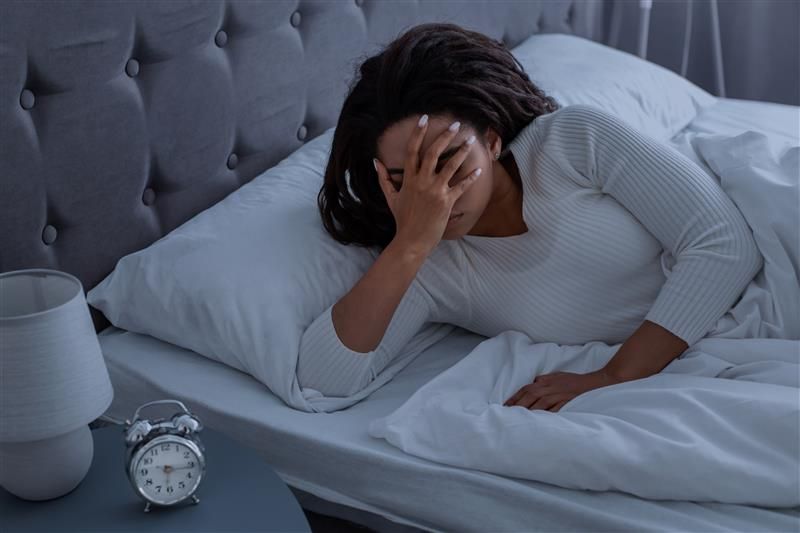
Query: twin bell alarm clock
(165,459)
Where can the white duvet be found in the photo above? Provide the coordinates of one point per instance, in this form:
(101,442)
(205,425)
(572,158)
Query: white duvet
(721,423)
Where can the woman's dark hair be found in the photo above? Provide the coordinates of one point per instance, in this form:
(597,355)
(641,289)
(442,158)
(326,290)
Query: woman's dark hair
(433,68)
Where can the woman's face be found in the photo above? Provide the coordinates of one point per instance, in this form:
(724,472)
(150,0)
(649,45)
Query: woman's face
(392,147)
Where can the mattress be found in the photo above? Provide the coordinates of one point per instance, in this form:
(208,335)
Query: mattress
(331,456)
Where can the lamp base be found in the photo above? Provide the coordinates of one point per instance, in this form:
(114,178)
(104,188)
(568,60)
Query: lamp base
(47,468)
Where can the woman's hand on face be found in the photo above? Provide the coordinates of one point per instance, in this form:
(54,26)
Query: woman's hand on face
(422,203)
(552,391)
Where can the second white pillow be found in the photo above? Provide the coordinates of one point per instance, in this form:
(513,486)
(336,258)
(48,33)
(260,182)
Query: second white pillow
(575,70)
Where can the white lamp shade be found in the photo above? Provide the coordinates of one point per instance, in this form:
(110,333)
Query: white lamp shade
(53,378)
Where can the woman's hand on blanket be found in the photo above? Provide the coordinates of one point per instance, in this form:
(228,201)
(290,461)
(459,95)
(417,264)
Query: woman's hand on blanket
(552,391)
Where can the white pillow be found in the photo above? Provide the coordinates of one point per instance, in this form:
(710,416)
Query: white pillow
(241,281)
(575,70)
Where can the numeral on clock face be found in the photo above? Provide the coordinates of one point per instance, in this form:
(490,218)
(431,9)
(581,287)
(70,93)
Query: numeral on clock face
(168,468)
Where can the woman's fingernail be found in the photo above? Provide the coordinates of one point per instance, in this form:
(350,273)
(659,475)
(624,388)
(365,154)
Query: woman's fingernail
(375,164)
(454,126)
(478,171)
(422,120)
(471,139)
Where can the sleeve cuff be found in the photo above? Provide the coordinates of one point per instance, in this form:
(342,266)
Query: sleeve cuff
(681,320)
(326,364)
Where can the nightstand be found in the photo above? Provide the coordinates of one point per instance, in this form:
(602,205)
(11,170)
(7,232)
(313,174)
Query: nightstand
(240,492)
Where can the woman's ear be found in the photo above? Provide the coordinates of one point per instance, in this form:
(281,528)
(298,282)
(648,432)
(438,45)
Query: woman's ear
(493,142)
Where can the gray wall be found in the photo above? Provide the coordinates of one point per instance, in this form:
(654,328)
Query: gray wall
(760,44)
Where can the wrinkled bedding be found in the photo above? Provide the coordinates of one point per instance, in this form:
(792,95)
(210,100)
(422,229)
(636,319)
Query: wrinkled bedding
(721,423)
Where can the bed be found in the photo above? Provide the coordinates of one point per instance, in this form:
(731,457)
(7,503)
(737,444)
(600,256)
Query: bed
(328,459)
(351,475)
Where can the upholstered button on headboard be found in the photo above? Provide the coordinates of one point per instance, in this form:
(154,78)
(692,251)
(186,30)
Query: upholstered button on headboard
(121,120)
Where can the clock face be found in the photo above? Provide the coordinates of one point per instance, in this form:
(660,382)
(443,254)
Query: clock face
(167,471)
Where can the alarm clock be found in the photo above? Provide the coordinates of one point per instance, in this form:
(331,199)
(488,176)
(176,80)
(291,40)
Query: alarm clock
(165,458)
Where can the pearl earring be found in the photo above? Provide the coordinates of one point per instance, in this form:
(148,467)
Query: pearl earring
(497,155)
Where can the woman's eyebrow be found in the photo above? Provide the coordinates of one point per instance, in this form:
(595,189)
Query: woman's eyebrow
(443,157)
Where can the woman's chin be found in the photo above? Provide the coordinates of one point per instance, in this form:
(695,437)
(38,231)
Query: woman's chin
(454,232)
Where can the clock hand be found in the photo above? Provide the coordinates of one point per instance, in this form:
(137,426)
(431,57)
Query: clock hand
(169,468)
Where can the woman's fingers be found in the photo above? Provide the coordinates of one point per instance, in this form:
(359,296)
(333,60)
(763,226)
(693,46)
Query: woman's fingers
(464,184)
(513,399)
(386,184)
(538,395)
(528,395)
(530,398)
(550,401)
(455,161)
(430,159)
(411,164)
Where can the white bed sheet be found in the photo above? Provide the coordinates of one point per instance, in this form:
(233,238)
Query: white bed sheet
(332,456)
(732,116)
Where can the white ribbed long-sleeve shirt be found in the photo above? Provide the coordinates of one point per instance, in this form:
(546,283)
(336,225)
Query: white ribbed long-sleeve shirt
(621,229)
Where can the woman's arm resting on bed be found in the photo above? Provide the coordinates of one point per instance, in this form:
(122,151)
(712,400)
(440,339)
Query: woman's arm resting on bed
(646,352)
(379,316)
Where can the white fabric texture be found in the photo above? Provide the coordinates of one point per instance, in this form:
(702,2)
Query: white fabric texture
(622,228)
(576,70)
(721,423)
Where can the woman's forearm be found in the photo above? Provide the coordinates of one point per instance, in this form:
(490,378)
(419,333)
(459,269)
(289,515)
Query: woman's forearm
(361,317)
(646,352)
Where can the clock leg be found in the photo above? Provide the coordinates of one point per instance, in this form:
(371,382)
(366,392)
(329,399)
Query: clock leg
(195,499)
(147,507)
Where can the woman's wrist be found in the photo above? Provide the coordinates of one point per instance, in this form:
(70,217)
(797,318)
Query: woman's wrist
(408,249)
(610,377)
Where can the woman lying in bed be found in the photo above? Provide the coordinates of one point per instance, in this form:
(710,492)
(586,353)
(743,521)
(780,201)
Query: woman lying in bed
(494,208)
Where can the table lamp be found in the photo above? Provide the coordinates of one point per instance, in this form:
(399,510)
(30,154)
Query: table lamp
(53,382)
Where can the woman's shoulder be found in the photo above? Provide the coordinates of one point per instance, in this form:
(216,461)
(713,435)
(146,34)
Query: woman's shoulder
(566,117)
(545,150)
(553,132)
(576,112)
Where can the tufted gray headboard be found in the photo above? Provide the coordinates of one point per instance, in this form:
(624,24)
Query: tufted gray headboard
(121,120)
